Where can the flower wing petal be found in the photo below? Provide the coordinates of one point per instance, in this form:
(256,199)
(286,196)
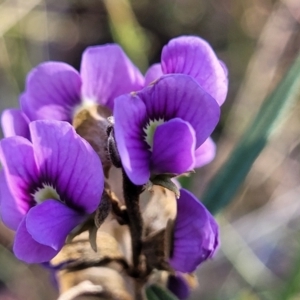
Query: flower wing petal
(179,286)
(173,147)
(11,212)
(205,153)
(68,162)
(27,249)
(14,122)
(52,92)
(21,173)
(193,56)
(153,73)
(108,73)
(195,234)
(50,222)
(130,118)
(179,96)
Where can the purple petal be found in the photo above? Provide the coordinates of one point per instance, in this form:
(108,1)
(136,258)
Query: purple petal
(224,69)
(193,56)
(108,73)
(130,117)
(69,163)
(180,96)
(14,122)
(52,92)
(216,241)
(205,153)
(50,222)
(178,286)
(195,235)
(17,159)
(153,73)
(27,249)
(11,212)
(173,148)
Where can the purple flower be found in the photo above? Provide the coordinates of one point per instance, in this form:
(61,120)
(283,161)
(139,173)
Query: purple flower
(158,129)
(14,122)
(205,153)
(196,234)
(55,90)
(193,56)
(178,285)
(48,187)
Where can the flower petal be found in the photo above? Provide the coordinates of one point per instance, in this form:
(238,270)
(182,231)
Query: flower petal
(52,92)
(173,148)
(17,159)
(195,234)
(205,153)
(216,240)
(180,96)
(69,163)
(11,212)
(153,73)
(108,73)
(130,117)
(193,56)
(50,222)
(178,285)
(14,122)
(27,249)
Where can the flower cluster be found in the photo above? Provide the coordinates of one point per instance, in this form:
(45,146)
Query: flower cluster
(51,184)
(52,179)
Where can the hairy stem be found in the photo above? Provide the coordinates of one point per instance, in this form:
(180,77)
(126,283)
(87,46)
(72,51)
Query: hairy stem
(131,196)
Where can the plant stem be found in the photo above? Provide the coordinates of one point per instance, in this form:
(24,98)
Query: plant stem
(131,196)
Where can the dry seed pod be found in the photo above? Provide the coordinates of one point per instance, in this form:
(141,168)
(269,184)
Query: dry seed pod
(85,272)
(155,251)
(79,253)
(94,283)
(159,209)
(91,124)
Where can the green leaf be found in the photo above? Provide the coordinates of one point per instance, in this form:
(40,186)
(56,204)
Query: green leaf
(151,295)
(127,31)
(156,292)
(291,287)
(225,184)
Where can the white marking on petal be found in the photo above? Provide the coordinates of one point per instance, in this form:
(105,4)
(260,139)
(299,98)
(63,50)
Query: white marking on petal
(44,193)
(150,130)
(91,106)
(85,104)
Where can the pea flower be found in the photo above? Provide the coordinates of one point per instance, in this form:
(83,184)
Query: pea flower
(193,56)
(15,122)
(196,234)
(158,129)
(55,90)
(178,285)
(48,187)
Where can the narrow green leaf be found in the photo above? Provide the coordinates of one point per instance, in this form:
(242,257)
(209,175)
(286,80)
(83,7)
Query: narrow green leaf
(291,287)
(151,295)
(225,184)
(156,292)
(127,31)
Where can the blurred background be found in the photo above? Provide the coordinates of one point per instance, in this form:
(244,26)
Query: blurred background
(258,41)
